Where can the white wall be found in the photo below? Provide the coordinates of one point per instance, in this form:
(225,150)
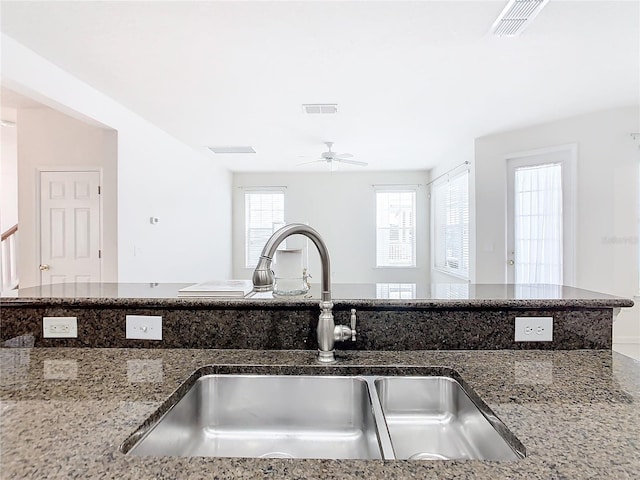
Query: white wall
(607,202)
(157,176)
(341,207)
(8,172)
(47,138)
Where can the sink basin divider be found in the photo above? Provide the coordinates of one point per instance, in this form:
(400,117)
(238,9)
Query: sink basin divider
(386,447)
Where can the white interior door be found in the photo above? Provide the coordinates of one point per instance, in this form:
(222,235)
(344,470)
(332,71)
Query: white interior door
(540,211)
(70,227)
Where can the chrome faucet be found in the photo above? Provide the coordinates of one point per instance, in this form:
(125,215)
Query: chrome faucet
(263,279)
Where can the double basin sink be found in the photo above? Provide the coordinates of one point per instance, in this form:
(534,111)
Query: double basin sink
(417,417)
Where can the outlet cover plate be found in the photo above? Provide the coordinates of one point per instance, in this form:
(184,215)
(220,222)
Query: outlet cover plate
(59,327)
(144,327)
(144,371)
(60,370)
(534,329)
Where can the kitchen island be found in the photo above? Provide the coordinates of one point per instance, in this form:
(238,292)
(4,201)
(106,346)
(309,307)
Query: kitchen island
(573,403)
(65,412)
(429,317)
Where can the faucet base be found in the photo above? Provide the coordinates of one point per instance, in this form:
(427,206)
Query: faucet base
(326,357)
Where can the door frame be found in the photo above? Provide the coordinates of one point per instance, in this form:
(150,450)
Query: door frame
(569,192)
(38,174)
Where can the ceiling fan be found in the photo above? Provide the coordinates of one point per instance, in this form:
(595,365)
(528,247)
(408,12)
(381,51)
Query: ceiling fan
(330,156)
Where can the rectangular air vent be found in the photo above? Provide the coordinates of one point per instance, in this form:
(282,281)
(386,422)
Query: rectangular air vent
(313,108)
(232,149)
(516,16)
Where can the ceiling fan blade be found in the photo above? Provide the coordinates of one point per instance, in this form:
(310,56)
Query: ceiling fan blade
(344,155)
(312,161)
(352,162)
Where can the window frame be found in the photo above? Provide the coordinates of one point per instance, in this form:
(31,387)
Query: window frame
(569,159)
(444,187)
(412,229)
(247,227)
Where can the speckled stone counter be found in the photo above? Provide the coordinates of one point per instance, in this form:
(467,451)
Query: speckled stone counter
(444,317)
(65,411)
(459,295)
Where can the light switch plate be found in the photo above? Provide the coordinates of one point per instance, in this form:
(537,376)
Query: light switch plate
(60,327)
(534,329)
(144,327)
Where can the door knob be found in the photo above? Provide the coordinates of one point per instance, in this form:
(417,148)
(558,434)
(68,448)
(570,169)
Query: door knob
(511,262)
(44,267)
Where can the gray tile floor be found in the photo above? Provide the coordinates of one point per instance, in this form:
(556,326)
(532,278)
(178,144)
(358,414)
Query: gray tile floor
(629,349)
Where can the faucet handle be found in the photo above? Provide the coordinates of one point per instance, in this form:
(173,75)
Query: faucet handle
(342,333)
(353,324)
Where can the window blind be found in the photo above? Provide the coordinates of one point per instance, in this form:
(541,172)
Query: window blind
(396,290)
(451,225)
(396,228)
(264,214)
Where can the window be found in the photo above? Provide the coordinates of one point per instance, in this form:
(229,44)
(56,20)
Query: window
(396,290)
(396,228)
(451,225)
(264,214)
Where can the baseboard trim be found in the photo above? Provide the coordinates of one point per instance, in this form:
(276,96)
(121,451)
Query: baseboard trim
(626,339)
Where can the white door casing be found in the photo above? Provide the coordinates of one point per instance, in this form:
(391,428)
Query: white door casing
(566,156)
(70,227)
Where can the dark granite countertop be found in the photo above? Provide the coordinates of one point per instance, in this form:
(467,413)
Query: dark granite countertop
(346,295)
(65,411)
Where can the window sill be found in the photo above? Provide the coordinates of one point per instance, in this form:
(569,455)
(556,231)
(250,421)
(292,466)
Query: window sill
(413,267)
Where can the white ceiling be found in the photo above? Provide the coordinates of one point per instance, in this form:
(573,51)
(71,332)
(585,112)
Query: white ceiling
(415,82)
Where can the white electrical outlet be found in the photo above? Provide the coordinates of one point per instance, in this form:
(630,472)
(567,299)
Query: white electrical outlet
(534,329)
(144,327)
(59,327)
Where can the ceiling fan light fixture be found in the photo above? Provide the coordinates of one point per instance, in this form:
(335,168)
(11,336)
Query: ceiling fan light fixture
(516,16)
(332,157)
(320,108)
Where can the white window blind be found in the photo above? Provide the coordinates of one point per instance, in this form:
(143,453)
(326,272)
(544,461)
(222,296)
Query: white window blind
(538,224)
(396,228)
(451,225)
(396,290)
(264,214)
(450,290)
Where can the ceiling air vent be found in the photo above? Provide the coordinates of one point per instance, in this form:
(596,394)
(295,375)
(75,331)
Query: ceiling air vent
(516,16)
(313,108)
(232,149)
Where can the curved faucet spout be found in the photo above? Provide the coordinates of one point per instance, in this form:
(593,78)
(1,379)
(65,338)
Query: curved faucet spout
(263,275)
(327,331)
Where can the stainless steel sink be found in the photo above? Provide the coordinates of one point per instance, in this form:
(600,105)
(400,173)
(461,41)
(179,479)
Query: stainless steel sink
(340,417)
(268,416)
(432,418)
